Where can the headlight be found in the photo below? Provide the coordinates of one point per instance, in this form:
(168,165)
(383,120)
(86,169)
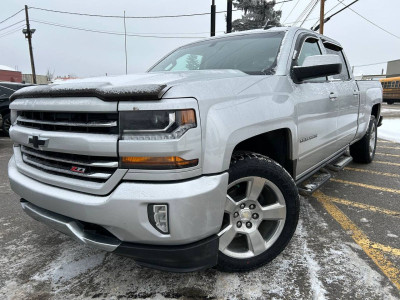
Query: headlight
(156,124)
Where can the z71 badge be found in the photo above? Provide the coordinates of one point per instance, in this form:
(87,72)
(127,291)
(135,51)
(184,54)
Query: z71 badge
(78,169)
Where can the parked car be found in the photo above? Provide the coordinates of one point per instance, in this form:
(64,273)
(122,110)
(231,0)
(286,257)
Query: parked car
(199,161)
(6,90)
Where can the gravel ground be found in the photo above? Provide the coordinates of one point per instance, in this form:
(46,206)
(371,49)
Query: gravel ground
(330,257)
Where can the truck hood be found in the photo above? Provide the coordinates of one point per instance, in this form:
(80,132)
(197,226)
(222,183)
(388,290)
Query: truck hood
(143,86)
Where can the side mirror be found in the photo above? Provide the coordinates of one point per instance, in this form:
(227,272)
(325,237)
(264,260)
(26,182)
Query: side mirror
(318,66)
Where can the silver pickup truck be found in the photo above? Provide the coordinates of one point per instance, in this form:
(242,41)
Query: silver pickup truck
(199,161)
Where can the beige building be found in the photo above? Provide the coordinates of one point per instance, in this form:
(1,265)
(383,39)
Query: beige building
(40,79)
(393,68)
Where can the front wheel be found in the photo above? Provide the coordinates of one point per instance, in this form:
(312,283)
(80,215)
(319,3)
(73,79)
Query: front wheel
(363,151)
(261,213)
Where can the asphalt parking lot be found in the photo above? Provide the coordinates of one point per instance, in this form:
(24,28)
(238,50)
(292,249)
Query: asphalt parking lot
(347,246)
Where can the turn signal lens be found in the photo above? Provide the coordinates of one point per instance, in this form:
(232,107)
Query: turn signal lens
(157,163)
(187,116)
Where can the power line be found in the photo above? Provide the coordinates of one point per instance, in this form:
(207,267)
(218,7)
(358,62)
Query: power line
(316,23)
(12,31)
(291,11)
(310,12)
(12,25)
(379,63)
(369,21)
(11,16)
(115,32)
(128,17)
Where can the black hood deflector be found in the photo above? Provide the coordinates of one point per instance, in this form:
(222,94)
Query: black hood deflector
(101,90)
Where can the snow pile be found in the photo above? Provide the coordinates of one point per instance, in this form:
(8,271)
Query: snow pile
(390,130)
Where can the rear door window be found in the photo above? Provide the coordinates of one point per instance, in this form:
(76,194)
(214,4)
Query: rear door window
(333,49)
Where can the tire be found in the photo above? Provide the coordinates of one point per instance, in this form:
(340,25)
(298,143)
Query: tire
(363,151)
(390,102)
(256,180)
(5,126)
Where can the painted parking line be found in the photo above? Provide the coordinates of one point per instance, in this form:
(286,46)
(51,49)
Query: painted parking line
(387,163)
(387,154)
(375,253)
(388,147)
(367,186)
(373,172)
(387,249)
(386,142)
(363,206)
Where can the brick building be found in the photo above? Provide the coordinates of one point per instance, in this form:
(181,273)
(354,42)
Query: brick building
(9,74)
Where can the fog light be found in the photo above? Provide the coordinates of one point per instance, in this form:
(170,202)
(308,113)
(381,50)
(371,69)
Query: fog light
(158,217)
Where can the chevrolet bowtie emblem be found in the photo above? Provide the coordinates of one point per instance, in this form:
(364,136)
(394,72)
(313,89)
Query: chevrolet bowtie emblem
(36,142)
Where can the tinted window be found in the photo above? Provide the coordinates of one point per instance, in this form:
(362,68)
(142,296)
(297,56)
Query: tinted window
(253,54)
(344,75)
(310,48)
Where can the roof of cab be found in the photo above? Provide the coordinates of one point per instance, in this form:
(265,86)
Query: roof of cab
(273,29)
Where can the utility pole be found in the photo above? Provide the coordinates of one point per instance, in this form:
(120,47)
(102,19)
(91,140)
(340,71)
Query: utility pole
(28,34)
(229,17)
(321,17)
(126,52)
(213,11)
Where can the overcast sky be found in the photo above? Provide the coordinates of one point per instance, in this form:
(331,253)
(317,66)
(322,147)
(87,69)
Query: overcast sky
(68,51)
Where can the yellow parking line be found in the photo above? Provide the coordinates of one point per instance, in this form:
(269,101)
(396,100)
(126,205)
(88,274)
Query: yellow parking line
(372,172)
(388,154)
(367,186)
(383,141)
(387,147)
(387,163)
(361,205)
(384,248)
(375,253)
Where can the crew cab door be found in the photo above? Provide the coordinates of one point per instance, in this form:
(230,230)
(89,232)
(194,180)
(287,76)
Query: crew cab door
(347,98)
(317,110)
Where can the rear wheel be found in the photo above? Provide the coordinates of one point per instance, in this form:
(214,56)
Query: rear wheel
(363,151)
(261,213)
(6,124)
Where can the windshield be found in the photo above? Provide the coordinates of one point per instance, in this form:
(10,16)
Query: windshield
(253,54)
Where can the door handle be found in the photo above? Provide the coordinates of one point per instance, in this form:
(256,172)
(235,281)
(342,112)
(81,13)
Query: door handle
(333,96)
(356,93)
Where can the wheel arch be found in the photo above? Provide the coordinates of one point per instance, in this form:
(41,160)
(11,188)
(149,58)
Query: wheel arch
(376,111)
(276,144)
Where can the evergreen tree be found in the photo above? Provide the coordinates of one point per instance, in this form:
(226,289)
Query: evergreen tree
(192,62)
(256,14)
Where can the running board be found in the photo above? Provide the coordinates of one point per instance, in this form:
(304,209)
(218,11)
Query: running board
(340,163)
(314,183)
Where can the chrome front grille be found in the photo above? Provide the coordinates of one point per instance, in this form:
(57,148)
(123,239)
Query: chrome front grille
(103,123)
(98,169)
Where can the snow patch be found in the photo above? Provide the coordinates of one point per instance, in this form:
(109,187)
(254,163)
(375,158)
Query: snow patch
(70,264)
(390,130)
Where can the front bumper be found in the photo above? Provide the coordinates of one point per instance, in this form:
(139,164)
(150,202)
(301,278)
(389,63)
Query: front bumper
(183,258)
(196,207)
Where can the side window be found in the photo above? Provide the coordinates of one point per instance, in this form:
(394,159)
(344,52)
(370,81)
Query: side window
(344,75)
(310,48)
